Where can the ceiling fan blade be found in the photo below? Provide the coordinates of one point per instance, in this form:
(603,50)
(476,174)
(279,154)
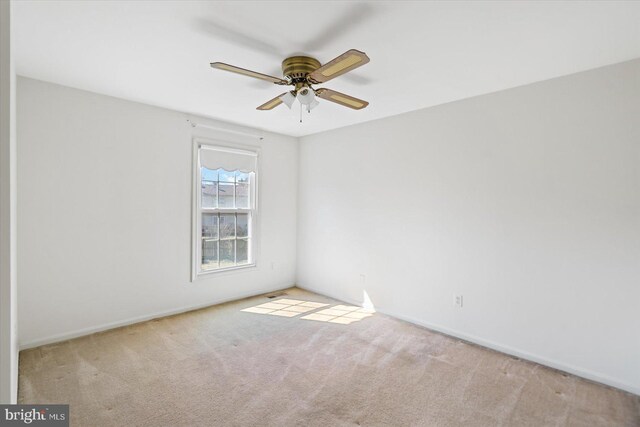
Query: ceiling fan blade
(344,63)
(255,75)
(341,98)
(272,103)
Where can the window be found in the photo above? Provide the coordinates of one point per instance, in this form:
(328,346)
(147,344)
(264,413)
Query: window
(225,196)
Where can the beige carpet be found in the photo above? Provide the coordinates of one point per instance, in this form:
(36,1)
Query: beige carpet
(296,363)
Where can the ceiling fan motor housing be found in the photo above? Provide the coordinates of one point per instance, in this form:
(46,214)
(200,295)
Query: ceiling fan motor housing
(296,68)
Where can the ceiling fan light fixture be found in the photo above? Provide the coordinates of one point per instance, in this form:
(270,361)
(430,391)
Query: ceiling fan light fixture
(288,99)
(306,96)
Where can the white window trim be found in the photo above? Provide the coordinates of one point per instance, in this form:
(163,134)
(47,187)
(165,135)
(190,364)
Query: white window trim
(196,203)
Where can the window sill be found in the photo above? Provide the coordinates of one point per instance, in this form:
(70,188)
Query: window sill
(225,271)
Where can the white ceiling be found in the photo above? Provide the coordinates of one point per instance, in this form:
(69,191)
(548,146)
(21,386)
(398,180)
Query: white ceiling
(422,53)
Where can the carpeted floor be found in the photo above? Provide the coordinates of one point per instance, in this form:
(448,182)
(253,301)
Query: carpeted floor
(302,363)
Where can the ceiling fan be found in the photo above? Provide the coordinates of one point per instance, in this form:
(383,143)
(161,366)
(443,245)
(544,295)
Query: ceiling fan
(302,72)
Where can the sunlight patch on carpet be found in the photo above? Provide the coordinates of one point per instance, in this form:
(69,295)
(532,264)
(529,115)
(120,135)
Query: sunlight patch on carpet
(285,307)
(341,314)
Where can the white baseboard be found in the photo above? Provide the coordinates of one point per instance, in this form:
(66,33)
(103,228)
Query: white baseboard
(583,373)
(138,319)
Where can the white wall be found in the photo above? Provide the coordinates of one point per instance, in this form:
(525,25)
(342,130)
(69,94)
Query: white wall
(526,202)
(104,200)
(8,267)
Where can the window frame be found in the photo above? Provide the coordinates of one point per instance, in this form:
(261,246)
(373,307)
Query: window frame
(198,210)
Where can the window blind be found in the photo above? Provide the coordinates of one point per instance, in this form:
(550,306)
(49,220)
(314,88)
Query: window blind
(227,158)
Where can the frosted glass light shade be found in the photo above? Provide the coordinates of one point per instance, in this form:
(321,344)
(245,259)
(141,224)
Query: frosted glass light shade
(306,96)
(288,99)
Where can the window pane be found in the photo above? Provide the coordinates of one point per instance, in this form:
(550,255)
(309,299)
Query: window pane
(242,225)
(209,194)
(242,251)
(227,253)
(208,174)
(242,195)
(226,176)
(242,177)
(209,254)
(225,195)
(227,226)
(210,225)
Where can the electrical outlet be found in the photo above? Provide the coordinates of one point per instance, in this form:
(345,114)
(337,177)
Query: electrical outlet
(457,301)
